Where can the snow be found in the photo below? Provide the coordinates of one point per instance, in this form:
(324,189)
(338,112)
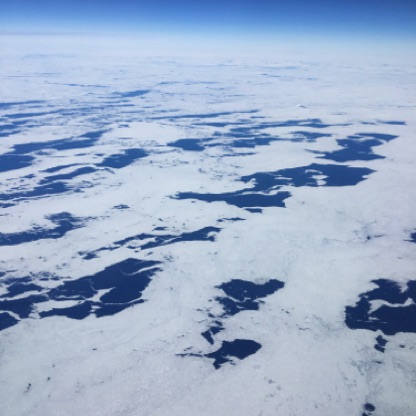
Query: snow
(327,245)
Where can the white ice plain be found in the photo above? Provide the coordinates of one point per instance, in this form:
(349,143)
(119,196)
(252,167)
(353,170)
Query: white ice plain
(327,245)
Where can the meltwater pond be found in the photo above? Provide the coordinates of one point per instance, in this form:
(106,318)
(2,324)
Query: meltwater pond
(146,241)
(239,348)
(264,185)
(124,283)
(358,147)
(390,308)
(241,295)
(64,222)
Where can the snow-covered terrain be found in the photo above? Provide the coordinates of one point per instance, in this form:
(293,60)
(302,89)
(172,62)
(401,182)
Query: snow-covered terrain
(206,237)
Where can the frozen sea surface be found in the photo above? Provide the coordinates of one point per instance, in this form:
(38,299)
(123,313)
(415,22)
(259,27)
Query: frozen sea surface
(190,237)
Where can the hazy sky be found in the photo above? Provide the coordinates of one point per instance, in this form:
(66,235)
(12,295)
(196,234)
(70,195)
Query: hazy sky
(356,17)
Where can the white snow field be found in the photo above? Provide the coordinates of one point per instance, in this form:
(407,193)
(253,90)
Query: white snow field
(206,236)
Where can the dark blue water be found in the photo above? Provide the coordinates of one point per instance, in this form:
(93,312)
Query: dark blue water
(124,281)
(86,140)
(203,115)
(64,221)
(241,199)
(80,311)
(368,409)
(20,287)
(358,147)
(58,168)
(335,175)
(18,103)
(54,188)
(394,123)
(121,160)
(20,156)
(158,240)
(311,122)
(80,85)
(28,115)
(412,237)
(216,327)
(71,175)
(239,348)
(11,161)
(6,321)
(243,137)
(234,219)
(13,127)
(258,195)
(241,295)
(381,344)
(193,145)
(131,94)
(388,319)
(22,307)
(308,136)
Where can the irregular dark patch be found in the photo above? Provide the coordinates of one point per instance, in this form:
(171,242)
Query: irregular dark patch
(248,137)
(368,409)
(193,145)
(22,306)
(213,330)
(79,311)
(54,188)
(6,321)
(234,219)
(7,130)
(28,115)
(308,136)
(131,94)
(394,123)
(20,156)
(126,282)
(17,103)
(64,221)
(58,168)
(381,344)
(263,192)
(358,147)
(121,160)
(412,238)
(18,288)
(334,175)
(239,348)
(242,137)
(123,282)
(243,295)
(203,115)
(86,140)
(241,199)
(204,234)
(390,319)
(65,176)
(11,161)
(311,122)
